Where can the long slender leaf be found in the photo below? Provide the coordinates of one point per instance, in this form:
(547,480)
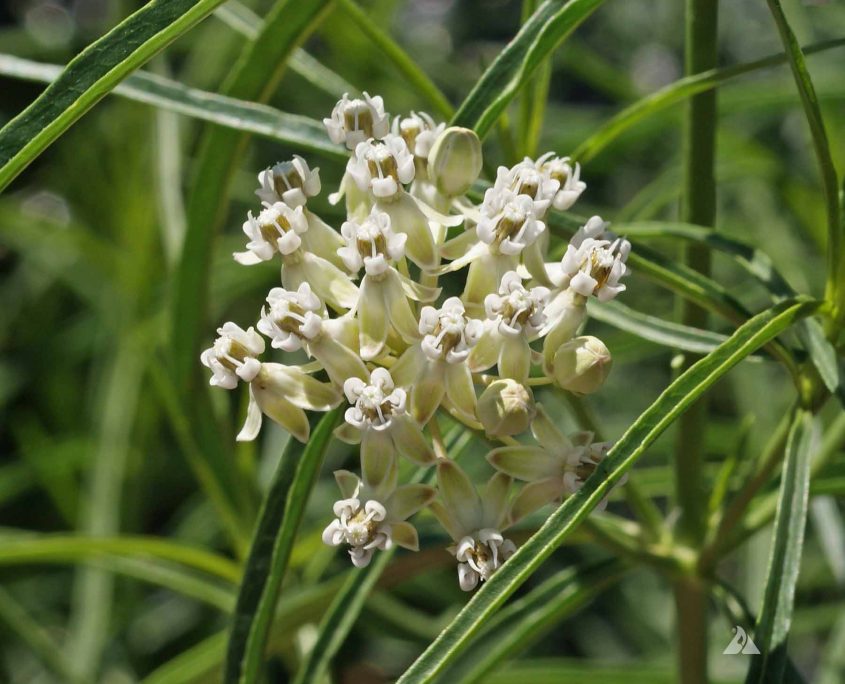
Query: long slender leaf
(775,616)
(677,92)
(158,91)
(254,77)
(633,444)
(821,145)
(542,33)
(524,621)
(271,548)
(91,75)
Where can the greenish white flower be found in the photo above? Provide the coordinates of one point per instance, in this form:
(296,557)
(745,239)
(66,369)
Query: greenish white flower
(234,356)
(382,167)
(370,518)
(454,161)
(356,120)
(419,131)
(525,179)
(277,229)
(581,365)
(568,176)
(557,468)
(291,182)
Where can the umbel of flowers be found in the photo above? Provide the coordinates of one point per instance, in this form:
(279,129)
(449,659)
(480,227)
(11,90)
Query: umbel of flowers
(362,301)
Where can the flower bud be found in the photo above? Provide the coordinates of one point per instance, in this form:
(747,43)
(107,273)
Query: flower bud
(506,408)
(454,161)
(581,365)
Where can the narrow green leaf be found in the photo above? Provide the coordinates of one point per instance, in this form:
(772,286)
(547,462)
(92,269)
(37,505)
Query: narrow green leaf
(677,92)
(271,547)
(773,622)
(830,186)
(630,447)
(254,77)
(525,621)
(553,21)
(654,329)
(158,91)
(91,75)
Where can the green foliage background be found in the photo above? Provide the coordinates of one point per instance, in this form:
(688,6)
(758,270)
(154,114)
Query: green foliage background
(127,508)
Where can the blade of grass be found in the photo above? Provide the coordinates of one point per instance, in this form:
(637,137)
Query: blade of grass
(773,622)
(533,101)
(270,551)
(91,75)
(553,21)
(677,92)
(632,445)
(158,91)
(416,77)
(830,186)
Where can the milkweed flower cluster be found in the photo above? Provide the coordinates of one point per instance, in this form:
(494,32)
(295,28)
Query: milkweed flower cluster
(363,301)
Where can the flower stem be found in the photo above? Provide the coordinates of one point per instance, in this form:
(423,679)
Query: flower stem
(699,207)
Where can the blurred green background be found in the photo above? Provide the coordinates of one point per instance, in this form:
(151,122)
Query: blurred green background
(95,443)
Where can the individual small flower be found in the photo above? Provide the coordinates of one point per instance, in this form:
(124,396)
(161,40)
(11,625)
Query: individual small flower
(526,179)
(277,229)
(383,301)
(509,221)
(515,316)
(295,320)
(506,408)
(569,178)
(356,120)
(370,518)
(435,367)
(377,417)
(382,167)
(419,133)
(234,356)
(476,521)
(581,365)
(284,393)
(557,468)
(594,262)
(454,161)
(291,182)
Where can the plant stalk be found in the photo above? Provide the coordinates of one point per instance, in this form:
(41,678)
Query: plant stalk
(698,207)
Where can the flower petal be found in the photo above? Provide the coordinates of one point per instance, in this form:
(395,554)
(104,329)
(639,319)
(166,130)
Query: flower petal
(340,362)
(378,461)
(295,387)
(322,239)
(486,352)
(427,394)
(446,519)
(494,500)
(459,495)
(399,311)
(406,217)
(458,246)
(534,496)
(408,500)
(460,390)
(348,433)
(283,412)
(408,367)
(347,482)
(372,319)
(547,434)
(417,291)
(331,284)
(252,425)
(515,358)
(525,462)
(532,257)
(410,442)
(404,534)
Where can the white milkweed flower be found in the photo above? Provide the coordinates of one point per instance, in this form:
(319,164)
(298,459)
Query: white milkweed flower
(370,518)
(594,262)
(233,356)
(382,167)
(557,468)
(515,316)
(283,394)
(355,120)
(419,131)
(435,366)
(509,222)
(568,176)
(378,418)
(308,248)
(383,300)
(527,178)
(476,521)
(295,320)
(291,182)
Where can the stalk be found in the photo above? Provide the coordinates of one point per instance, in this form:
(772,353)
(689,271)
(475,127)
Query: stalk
(698,207)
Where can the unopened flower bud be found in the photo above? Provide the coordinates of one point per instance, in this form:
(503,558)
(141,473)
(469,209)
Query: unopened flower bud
(582,364)
(506,408)
(454,161)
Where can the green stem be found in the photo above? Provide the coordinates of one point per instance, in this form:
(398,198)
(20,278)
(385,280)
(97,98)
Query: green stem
(698,207)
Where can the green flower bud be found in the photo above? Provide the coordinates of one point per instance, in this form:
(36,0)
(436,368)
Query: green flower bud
(454,161)
(581,365)
(506,408)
